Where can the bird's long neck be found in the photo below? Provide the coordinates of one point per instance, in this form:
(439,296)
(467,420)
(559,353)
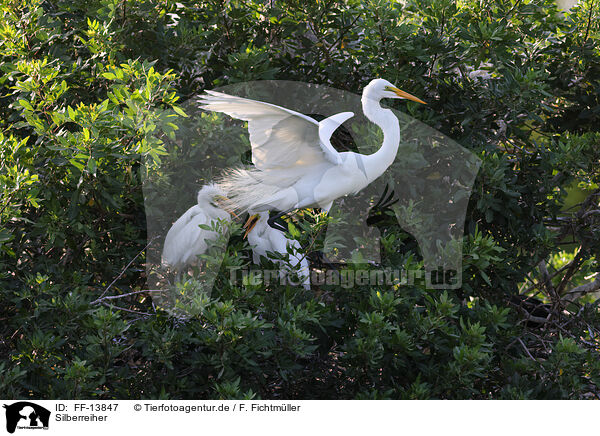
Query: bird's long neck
(375,164)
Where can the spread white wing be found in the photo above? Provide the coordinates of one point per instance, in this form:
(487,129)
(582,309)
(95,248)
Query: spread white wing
(280,137)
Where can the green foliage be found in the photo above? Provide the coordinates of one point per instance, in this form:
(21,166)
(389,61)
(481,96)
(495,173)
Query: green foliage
(90,96)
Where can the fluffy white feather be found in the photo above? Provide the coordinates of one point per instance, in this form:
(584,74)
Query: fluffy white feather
(264,238)
(185,240)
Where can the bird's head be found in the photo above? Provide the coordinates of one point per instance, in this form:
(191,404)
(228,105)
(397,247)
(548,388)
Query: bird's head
(209,193)
(381,88)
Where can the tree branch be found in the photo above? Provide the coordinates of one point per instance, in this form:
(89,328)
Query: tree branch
(527,350)
(582,290)
(546,279)
(112,297)
(125,269)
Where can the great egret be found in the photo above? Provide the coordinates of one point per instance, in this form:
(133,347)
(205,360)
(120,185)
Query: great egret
(264,238)
(295,165)
(185,240)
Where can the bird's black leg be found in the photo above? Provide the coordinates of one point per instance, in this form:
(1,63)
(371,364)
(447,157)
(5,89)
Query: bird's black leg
(277,225)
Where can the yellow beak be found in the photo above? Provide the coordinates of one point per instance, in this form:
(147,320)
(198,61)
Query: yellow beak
(220,198)
(252,220)
(406,95)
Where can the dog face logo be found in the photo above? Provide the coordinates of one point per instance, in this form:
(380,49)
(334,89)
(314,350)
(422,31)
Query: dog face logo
(26,415)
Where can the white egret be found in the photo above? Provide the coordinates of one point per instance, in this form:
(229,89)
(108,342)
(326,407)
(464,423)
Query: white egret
(264,238)
(185,240)
(295,165)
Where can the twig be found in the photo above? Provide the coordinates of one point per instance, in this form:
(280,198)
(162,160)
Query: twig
(112,297)
(590,212)
(125,269)
(527,350)
(513,8)
(343,33)
(10,197)
(568,333)
(585,289)
(435,57)
(537,285)
(587,30)
(126,310)
(547,282)
(530,317)
(570,271)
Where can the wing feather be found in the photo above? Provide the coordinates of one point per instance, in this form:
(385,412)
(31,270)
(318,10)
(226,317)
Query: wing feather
(280,137)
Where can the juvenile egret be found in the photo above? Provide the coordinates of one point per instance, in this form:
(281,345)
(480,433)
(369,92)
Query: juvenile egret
(263,239)
(185,240)
(295,165)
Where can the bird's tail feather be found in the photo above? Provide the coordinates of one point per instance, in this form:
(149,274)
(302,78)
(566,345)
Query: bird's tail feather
(244,188)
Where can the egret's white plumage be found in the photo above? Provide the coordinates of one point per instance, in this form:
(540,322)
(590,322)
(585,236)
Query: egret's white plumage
(295,165)
(185,240)
(263,238)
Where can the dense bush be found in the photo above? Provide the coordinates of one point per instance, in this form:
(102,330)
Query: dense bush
(90,90)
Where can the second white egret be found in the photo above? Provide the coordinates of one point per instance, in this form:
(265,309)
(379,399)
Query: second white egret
(265,239)
(185,240)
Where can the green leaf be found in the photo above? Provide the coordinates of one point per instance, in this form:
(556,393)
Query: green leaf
(92,166)
(77,164)
(71,113)
(5,236)
(293,230)
(26,104)
(180,111)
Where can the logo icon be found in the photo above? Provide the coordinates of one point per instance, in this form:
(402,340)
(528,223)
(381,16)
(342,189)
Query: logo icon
(26,415)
